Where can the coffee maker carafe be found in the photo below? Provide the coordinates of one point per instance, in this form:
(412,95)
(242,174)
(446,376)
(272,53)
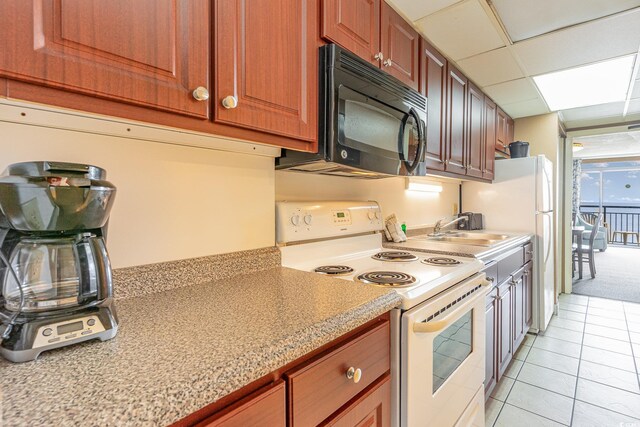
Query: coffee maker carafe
(55,277)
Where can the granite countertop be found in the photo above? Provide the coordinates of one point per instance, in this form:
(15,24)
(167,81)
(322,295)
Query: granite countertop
(420,243)
(180,350)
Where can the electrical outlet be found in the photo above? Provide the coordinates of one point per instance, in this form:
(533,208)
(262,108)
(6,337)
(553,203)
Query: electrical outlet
(454,211)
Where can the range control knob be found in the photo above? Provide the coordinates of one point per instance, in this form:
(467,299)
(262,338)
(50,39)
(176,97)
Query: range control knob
(371,215)
(47,332)
(91,322)
(307,219)
(295,220)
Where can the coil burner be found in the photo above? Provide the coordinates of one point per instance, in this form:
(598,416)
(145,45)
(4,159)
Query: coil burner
(334,270)
(395,256)
(441,261)
(387,278)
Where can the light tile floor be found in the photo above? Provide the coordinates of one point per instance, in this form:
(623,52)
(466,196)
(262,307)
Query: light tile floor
(584,371)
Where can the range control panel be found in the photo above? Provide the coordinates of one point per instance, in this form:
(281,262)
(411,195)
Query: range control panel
(68,330)
(300,221)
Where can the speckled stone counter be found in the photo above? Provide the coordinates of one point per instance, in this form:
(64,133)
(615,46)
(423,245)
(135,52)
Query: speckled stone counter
(179,350)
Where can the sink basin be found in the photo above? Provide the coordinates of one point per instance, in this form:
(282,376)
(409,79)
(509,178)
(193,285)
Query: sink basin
(485,236)
(464,240)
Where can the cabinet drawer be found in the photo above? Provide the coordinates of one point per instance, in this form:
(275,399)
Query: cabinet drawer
(492,273)
(509,264)
(528,252)
(266,407)
(320,388)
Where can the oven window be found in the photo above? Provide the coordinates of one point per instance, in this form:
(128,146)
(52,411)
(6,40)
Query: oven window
(450,348)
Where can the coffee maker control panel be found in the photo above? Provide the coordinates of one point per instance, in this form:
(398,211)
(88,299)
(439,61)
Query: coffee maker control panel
(67,330)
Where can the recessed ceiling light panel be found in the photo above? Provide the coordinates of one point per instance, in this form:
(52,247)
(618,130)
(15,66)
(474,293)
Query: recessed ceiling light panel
(592,84)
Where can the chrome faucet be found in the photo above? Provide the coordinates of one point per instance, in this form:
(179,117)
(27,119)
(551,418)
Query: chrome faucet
(439,226)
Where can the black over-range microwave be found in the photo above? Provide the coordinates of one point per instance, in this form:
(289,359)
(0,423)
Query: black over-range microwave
(370,124)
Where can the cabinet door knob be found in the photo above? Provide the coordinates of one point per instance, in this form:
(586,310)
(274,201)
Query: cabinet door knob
(378,56)
(229,102)
(200,93)
(529,252)
(354,374)
(387,62)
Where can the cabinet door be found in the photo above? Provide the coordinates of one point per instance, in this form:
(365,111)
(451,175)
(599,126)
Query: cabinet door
(528,295)
(371,409)
(400,47)
(474,134)
(266,64)
(518,291)
(509,131)
(354,25)
(505,327)
(501,130)
(456,120)
(266,407)
(491,314)
(152,53)
(489,147)
(433,85)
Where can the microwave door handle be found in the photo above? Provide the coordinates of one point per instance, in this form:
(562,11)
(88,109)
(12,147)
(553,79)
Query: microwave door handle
(439,325)
(411,166)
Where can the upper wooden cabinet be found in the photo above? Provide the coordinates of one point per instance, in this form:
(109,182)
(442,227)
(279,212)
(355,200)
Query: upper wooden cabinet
(400,47)
(152,53)
(433,85)
(354,25)
(488,165)
(501,130)
(475,127)
(374,31)
(456,121)
(266,71)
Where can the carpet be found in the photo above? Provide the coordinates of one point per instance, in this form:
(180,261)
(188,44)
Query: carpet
(617,275)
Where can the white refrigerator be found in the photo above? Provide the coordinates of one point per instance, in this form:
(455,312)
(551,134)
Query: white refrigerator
(520,199)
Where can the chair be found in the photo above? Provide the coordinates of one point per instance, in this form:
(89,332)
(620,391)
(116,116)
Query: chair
(601,240)
(589,248)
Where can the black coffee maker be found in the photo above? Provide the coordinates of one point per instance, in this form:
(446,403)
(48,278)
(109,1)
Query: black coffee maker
(56,287)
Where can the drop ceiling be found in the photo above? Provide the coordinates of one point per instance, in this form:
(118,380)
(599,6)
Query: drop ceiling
(501,44)
(615,145)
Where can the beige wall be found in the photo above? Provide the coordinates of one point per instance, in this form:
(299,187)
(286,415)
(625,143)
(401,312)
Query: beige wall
(542,133)
(173,202)
(417,209)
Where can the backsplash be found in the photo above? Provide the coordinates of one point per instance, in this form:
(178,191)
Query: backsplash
(151,278)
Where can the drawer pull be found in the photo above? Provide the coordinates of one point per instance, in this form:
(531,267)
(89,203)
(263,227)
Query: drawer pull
(529,252)
(354,374)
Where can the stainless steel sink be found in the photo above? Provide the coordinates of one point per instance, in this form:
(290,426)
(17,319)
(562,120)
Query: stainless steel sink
(485,236)
(464,240)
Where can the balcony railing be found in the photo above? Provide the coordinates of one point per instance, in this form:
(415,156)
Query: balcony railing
(617,218)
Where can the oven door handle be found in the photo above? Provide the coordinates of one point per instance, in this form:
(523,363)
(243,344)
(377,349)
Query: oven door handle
(438,325)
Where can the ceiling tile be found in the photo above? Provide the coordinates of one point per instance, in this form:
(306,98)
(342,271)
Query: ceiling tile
(595,41)
(461,30)
(415,10)
(524,19)
(483,69)
(634,106)
(636,89)
(512,91)
(612,109)
(532,107)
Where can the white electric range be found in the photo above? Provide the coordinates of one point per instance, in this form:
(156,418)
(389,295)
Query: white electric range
(438,332)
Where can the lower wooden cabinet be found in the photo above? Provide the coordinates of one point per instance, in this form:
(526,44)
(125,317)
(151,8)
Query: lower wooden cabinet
(508,311)
(345,383)
(266,407)
(371,409)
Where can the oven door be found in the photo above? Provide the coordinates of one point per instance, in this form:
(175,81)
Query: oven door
(375,136)
(443,354)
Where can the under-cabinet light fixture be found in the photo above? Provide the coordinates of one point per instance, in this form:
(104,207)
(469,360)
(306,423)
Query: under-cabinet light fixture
(427,187)
(593,84)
